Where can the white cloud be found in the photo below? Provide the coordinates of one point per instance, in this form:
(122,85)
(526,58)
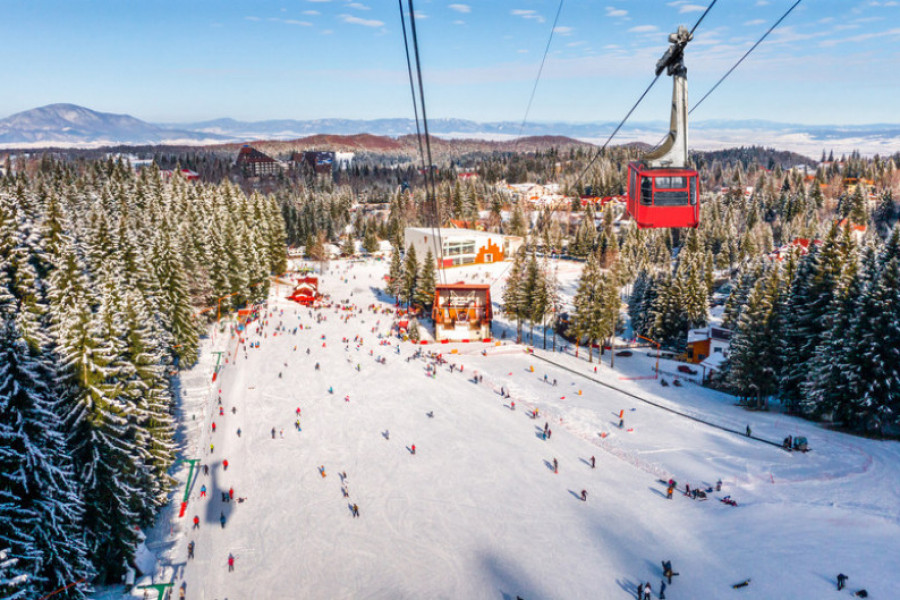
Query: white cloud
(688,8)
(563,30)
(522,51)
(296,22)
(527,14)
(364,22)
(311,12)
(459,22)
(252,19)
(611,11)
(755,22)
(461,8)
(643,29)
(358,6)
(862,37)
(327,31)
(762,2)
(574,44)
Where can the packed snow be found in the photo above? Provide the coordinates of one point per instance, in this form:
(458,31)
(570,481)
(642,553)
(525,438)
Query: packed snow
(477,510)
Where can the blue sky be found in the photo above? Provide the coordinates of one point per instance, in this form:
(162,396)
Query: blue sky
(830,62)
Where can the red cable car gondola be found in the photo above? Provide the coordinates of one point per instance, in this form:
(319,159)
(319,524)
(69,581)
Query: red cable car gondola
(662,190)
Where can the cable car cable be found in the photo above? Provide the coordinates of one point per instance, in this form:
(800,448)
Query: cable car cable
(746,54)
(652,83)
(538,78)
(735,66)
(412,87)
(430,174)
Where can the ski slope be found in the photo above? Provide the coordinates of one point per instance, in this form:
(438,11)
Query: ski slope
(477,511)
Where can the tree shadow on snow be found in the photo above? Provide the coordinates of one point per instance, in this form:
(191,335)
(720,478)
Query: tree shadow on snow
(510,579)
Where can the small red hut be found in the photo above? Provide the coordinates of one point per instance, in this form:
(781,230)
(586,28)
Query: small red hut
(306,292)
(462,311)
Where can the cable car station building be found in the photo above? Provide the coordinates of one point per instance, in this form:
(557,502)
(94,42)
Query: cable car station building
(462,246)
(462,312)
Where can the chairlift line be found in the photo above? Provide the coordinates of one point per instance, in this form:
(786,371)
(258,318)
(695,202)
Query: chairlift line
(412,87)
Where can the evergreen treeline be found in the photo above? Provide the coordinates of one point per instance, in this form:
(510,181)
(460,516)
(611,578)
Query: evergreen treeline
(822,332)
(101,274)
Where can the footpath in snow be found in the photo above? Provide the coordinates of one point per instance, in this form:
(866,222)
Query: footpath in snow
(477,509)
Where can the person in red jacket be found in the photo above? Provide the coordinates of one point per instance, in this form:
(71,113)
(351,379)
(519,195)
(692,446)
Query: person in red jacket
(196,522)
(225,464)
(231,493)
(230,562)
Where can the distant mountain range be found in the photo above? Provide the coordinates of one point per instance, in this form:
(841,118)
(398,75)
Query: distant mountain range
(69,125)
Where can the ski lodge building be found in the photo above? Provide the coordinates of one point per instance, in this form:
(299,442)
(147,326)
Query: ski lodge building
(462,246)
(462,312)
(706,342)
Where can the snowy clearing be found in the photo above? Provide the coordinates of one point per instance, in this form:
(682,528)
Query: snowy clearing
(477,511)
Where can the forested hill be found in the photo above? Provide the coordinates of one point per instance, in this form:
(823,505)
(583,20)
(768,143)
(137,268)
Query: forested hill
(747,155)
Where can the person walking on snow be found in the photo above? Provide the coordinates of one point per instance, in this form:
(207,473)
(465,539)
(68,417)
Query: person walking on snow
(648,591)
(273,433)
(355,511)
(413,448)
(593,462)
(225,464)
(584,495)
(555,466)
(662,590)
(748,431)
(191,550)
(230,562)
(196,522)
(841,581)
(222,519)
(214,427)
(230,494)
(203,491)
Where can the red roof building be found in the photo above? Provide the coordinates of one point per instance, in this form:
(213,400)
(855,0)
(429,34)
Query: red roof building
(256,164)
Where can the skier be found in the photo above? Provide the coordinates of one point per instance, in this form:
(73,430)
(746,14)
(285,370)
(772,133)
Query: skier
(841,581)
(584,495)
(225,464)
(191,550)
(413,448)
(206,469)
(230,562)
(196,522)
(593,462)
(214,427)
(555,466)
(212,448)
(221,411)
(667,570)
(222,519)
(230,494)
(203,491)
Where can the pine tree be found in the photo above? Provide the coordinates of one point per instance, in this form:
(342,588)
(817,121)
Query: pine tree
(395,273)
(752,363)
(410,277)
(514,300)
(425,283)
(596,305)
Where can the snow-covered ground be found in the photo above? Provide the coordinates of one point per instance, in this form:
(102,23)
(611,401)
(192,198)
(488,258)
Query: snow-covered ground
(478,511)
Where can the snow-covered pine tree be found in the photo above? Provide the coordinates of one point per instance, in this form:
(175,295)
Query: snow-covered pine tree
(425,283)
(514,300)
(410,277)
(395,273)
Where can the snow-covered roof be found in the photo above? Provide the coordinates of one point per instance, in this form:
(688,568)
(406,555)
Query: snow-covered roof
(714,361)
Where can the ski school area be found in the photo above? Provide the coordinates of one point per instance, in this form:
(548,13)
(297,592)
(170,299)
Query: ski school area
(337,461)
